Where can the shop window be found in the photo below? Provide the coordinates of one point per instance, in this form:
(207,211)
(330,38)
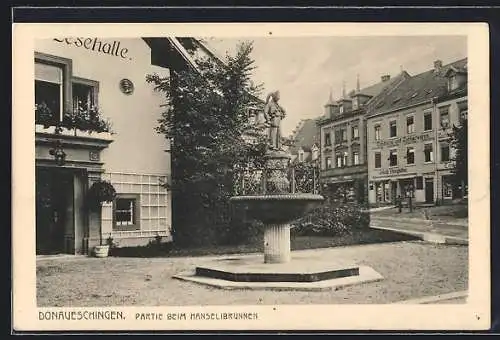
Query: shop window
(428,154)
(378,160)
(393,130)
(445,152)
(355,132)
(393,158)
(410,124)
(444,117)
(125,212)
(447,187)
(410,155)
(377,132)
(355,157)
(428,121)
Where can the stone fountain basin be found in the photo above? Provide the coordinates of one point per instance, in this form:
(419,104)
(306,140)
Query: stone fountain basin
(277,208)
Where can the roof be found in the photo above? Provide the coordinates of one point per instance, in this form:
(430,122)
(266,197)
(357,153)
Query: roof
(375,89)
(419,88)
(306,136)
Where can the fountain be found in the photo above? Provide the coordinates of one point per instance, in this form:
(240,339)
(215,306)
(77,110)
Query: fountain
(276,207)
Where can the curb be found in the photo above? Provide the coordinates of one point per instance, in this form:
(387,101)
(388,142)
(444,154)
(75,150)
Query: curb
(428,237)
(436,298)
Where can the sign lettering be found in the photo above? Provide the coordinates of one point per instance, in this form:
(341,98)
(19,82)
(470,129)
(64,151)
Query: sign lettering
(404,140)
(96,45)
(393,171)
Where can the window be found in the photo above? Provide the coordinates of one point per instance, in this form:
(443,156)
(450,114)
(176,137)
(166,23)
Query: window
(343,134)
(328,139)
(84,94)
(427,121)
(315,154)
(49,91)
(340,136)
(410,155)
(419,183)
(444,117)
(378,160)
(126,212)
(410,124)
(428,155)
(393,130)
(338,160)
(445,152)
(328,162)
(355,157)
(341,108)
(393,158)
(377,132)
(341,159)
(301,156)
(452,83)
(52,88)
(355,132)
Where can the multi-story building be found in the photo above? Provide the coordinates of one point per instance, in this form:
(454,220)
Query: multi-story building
(343,138)
(78,83)
(409,136)
(305,142)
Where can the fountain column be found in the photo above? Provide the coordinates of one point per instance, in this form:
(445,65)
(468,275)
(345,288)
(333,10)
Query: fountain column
(277,235)
(277,243)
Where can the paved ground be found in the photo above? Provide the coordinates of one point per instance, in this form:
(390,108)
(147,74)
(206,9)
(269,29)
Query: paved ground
(450,231)
(410,269)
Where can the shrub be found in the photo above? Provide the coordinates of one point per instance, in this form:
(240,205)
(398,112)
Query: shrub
(332,219)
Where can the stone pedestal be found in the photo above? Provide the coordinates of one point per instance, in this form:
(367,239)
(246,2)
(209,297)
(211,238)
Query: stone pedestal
(277,243)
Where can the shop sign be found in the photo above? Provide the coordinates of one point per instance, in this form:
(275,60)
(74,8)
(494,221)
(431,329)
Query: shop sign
(393,171)
(404,140)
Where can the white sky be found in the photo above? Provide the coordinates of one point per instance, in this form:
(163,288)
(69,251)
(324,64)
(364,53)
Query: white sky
(305,69)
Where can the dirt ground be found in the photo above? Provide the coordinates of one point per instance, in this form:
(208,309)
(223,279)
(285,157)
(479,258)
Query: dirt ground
(410,269)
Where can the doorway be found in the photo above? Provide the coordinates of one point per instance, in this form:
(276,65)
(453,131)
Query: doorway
(54,211)
(429,190)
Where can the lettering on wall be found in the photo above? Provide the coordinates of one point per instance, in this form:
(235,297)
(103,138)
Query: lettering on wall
(403,140)
(114,48)
(393,171)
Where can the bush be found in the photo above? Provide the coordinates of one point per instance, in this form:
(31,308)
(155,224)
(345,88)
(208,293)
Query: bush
(332,219)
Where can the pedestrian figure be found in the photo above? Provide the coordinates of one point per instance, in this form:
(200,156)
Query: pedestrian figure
(400,204)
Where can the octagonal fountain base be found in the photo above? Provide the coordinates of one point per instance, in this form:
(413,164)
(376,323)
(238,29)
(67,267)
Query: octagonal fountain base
(307,273)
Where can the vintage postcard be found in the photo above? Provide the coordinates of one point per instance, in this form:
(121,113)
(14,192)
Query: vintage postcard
(251,176)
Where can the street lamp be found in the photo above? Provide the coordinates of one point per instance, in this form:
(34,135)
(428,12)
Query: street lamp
(410,193)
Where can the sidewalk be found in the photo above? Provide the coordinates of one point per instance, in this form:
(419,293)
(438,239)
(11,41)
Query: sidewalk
(427,230)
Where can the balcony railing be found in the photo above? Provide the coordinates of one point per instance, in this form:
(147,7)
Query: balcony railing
(303,178)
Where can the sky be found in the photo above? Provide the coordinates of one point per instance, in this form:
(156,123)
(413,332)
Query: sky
(306,69)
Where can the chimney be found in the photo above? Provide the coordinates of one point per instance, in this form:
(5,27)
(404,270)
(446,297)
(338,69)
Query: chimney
(438,64)
(385,77)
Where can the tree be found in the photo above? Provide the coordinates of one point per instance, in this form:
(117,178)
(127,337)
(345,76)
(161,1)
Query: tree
(459,143)
(205,119)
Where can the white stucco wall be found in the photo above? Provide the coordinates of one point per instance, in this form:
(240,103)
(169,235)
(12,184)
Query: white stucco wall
(137,148)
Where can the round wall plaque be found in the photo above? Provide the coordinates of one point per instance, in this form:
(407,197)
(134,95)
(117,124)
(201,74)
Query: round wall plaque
(126,86)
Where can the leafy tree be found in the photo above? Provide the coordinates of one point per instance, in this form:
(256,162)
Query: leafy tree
(206,120)
(459,143)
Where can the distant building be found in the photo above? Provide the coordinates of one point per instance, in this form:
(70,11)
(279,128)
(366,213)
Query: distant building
(409,136)
(304,146)
(343,138)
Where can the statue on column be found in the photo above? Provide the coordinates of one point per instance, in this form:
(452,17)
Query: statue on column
(274,113)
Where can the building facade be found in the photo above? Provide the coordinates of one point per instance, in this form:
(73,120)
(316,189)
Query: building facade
(343,139)
(409,137)
(74,76)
